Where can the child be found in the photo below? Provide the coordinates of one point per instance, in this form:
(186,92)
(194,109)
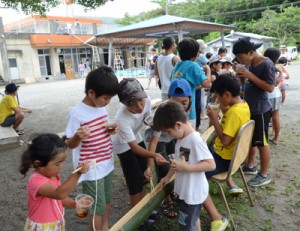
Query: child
(10,111)
(46,195)
(275,96)
(190,181)
(152,61)
(128,143)
(87,136)
(260,79)
(282,63)
(189,70)
(179,91)
(227,92)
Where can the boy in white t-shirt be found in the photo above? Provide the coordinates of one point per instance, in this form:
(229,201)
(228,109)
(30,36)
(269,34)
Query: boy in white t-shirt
(88,137)
(195,158)
(128,144)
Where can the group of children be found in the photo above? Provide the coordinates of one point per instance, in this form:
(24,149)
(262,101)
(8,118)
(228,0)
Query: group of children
(172,131)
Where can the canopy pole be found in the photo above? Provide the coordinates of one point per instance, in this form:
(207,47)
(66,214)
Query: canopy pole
(222,39)
(110,50)
(180,36)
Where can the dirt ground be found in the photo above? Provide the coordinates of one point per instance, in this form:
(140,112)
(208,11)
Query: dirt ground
(277,206)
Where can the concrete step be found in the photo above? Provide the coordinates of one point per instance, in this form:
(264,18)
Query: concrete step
(8,138)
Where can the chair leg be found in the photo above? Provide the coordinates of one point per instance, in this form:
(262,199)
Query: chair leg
(225,202)
(246,186)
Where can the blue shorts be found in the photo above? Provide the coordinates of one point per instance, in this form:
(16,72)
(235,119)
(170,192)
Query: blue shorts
(9,120)
(152,74)
(188,216)
(222,165)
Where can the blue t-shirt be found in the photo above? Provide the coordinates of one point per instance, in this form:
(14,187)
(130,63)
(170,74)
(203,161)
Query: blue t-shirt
(256,97)
(191,72)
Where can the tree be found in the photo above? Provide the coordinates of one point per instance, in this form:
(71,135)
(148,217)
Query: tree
(282,26)
(42,6)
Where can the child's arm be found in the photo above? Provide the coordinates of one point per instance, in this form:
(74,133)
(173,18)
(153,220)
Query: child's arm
(69,202)
(202,166)
(136,148)
(214,120)
(81,134)
(61,192)
(245,73)
(167,178)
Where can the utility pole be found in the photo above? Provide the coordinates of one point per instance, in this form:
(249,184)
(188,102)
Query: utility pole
(3,50)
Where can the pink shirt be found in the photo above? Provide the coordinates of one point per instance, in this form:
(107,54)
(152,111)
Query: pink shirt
(42,209)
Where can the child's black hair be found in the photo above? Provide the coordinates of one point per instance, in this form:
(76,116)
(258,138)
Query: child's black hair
(168,42)
(102,81)
(283,60)
(226,83)
(188,48)
(43,148)
(208,55)
(272,53)
(222,50)
(175,114)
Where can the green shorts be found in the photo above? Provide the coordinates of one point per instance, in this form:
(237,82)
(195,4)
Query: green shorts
(104,193)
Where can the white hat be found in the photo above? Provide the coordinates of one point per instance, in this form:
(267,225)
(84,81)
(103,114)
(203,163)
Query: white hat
(202,45)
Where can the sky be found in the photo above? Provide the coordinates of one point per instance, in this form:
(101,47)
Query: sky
(116,8)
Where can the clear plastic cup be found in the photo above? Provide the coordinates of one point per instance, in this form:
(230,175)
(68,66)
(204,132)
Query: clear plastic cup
(111,126)
(83,204)
(174,156)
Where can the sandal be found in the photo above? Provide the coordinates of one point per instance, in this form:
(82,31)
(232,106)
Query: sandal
(167,204)
(20,132)
(174,196)
(170,213)
(273,142)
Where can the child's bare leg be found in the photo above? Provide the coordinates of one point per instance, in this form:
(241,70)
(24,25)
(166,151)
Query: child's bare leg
(265,157)
(198,225)
(283,96)
(211,209)
(96,222)
(276,125)
(105,223)
(251,157)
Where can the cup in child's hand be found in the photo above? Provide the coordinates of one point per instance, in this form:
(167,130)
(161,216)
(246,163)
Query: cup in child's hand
(83,205)
(174,156)
(111,126)
(214,106)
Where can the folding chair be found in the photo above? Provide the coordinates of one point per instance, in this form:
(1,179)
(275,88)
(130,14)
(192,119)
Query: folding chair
(239,155)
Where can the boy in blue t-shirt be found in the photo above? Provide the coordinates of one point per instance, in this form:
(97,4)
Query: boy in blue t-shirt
(259,80)
(189,70)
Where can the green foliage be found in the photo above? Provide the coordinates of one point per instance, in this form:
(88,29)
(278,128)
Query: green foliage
(42,6)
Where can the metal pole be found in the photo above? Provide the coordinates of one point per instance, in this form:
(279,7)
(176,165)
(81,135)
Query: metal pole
(222,38)
(3,51)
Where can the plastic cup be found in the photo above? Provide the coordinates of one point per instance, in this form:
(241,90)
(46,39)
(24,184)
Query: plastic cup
(214,106)
(174,156)
(111,127)
(83,205)
(238,66)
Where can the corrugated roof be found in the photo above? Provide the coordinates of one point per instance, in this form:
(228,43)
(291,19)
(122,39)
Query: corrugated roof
(166,25)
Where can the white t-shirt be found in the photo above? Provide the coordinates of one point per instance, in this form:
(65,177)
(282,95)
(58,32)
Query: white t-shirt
(165,67)
(129,127)
(98,146)
(192,187)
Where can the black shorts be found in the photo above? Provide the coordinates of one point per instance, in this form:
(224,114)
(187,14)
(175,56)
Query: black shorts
(133,167)
(260,134)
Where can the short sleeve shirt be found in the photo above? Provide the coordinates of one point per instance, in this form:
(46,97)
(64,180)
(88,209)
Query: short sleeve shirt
(191,72)
(7,104)
(192,187)
(256,97)
(42,209)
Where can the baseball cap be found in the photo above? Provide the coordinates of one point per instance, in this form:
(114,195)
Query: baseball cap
(202,45)
(11,88)
(130,90)
(180,87)
(244,45)
(214,59)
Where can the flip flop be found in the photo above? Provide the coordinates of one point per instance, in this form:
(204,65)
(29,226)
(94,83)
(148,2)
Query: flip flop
(170,213)
(20,132)
(273,142)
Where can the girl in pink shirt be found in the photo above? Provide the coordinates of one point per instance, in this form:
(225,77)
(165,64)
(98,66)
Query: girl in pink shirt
(46,194)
